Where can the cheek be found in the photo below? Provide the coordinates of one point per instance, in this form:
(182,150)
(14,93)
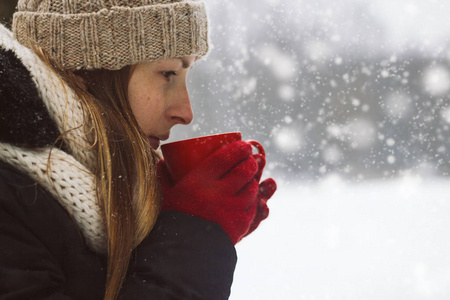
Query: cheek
(137,101)
(146,108)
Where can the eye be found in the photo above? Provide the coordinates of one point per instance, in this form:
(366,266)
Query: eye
(168,74)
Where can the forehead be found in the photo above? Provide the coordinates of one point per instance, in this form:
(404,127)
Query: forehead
(166,64)
(184,62)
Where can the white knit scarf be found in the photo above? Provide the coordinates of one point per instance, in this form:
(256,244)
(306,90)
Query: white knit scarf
(68,178)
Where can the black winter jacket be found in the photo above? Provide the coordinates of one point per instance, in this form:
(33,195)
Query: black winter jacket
(42,252)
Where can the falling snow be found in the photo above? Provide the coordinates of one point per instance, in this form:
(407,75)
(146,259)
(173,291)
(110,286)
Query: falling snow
(436,80)
(351,102)
(288,139)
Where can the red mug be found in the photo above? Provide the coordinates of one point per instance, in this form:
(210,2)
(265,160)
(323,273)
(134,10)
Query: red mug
(182,156)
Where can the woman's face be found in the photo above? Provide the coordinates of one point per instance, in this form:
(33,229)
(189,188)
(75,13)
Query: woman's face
(159,97)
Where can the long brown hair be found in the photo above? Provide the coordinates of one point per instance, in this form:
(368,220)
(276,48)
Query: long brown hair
(127,188)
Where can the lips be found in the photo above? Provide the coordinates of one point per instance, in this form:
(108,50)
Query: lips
(155,140)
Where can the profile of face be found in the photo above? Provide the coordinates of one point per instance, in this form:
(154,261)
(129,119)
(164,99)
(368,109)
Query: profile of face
(159,98)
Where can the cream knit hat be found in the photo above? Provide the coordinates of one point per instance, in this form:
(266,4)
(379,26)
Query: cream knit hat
(110,34)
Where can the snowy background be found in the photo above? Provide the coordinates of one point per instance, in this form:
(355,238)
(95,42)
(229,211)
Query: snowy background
(350,99)
(355,88)
(331,240)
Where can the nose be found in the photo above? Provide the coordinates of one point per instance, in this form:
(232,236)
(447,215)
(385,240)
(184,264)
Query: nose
(180,112)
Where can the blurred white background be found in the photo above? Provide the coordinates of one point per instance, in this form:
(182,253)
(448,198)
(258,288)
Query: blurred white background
(350,99)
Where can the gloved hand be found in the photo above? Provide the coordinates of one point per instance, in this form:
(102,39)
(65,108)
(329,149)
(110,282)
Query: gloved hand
(266,190)
(222,189)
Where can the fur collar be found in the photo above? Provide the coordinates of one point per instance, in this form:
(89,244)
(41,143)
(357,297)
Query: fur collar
(24,119)
(36,106)
(38,110)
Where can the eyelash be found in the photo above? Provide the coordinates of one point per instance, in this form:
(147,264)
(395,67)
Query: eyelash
(168,74)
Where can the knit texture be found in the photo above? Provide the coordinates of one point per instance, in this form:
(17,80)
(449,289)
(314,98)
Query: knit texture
(67,176)
(61,102)
(68,181)
(110,34)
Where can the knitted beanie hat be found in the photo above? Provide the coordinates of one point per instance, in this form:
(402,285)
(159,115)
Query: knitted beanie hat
(111,34)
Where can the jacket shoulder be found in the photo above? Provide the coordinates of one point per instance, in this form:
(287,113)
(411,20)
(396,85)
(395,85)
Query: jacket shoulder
(24,199)
(11,180)
(42,251)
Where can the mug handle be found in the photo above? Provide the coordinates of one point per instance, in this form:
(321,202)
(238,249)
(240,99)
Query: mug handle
(258,147)
(262,153)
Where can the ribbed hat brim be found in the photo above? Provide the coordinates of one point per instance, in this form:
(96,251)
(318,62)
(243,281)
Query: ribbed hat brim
(116,37)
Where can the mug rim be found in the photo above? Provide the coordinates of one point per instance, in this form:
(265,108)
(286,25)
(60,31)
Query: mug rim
(203,137)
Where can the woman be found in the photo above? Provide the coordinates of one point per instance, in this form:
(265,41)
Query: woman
(88,89)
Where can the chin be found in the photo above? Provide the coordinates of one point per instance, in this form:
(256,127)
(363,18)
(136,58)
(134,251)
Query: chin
(153,141)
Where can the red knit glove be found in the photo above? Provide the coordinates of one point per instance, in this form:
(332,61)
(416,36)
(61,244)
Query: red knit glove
(221,189)
(266,189)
